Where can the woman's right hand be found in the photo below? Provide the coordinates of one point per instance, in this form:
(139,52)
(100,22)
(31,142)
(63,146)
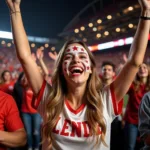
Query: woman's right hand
(13,5)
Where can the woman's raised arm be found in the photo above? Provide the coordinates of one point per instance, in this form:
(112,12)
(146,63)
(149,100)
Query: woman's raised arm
(136,54)
(22,46)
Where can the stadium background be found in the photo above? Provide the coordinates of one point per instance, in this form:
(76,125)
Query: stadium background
(106,26)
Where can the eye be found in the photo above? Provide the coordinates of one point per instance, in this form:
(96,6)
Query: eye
(83,57)
(67,57)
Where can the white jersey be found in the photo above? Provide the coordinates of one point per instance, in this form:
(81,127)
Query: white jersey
(72,130)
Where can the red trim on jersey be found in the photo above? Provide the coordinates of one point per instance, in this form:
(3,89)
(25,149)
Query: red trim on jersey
(41,92)
(120,106)
(72,110)
(117,106)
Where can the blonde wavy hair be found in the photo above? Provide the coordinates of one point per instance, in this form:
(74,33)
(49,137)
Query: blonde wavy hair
(59,91)
(137,82)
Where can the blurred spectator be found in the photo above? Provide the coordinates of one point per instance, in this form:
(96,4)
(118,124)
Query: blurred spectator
(7,84)
(136,91)
(44,69)
(12,133)
(18,91)
(107,76)
(31,118)
(144,120)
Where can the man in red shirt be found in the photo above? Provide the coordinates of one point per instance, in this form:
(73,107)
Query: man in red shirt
(12,132)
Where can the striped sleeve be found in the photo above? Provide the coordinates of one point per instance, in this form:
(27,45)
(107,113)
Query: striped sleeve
(42,98)
(111,107)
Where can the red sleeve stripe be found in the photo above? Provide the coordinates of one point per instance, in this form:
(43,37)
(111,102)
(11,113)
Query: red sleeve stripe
(117,106)
(39,97)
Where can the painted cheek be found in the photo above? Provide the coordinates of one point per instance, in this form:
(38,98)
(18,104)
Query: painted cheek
(87,65)
(66,66)
(68,50)
(88,68)
(82,50)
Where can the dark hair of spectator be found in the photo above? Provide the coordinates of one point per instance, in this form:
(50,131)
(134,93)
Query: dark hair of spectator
(3,73)
(108,63)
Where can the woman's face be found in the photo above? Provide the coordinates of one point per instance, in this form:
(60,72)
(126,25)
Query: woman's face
(143,71)
(7,76)
(76,64)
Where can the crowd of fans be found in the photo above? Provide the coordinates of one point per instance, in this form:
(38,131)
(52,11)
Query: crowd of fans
(9,61)
(14,82)
(75,108)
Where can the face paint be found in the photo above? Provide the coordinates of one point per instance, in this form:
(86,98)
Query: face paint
(80,52)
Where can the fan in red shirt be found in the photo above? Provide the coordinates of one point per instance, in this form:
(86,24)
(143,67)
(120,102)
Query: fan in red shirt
(137,90)
(31,118)
(12,133)
(75,79)
(7,84)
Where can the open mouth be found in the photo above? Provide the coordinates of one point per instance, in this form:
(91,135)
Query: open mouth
(76,70)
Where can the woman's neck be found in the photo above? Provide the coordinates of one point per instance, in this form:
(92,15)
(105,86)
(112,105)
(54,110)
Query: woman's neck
(143,80)
(7,82)
(75,96)
(107,82)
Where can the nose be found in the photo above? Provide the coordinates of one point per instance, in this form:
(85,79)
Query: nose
(105,70)
(76,59)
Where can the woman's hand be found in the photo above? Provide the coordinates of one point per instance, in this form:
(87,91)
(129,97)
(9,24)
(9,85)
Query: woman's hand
(13,5)
(125,58)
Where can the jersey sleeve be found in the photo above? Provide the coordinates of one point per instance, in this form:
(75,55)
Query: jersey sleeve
(42,98)
(13,121)
(112,108)
(144,116)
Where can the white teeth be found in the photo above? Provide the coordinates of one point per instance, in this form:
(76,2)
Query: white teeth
(76,68)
